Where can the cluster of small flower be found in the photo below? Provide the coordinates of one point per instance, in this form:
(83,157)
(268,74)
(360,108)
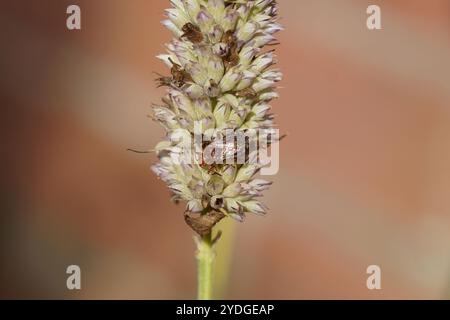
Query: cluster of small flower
(221,78)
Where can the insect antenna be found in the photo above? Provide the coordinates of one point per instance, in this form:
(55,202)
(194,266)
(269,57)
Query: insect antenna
(139,151)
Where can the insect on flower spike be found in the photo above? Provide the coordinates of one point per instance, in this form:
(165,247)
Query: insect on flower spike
(220,76)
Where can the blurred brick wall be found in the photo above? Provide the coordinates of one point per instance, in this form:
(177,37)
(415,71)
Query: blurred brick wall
(365,169)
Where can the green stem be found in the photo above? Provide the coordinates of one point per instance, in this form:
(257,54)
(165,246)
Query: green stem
(222,261)
(205,259)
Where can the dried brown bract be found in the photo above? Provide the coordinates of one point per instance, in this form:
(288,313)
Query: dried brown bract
(203,223)
(232,57)
(192,33)
(178,78)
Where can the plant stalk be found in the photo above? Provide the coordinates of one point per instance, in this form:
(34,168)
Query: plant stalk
(205,259)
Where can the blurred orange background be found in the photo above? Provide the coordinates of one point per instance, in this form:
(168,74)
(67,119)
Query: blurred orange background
(365,170)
